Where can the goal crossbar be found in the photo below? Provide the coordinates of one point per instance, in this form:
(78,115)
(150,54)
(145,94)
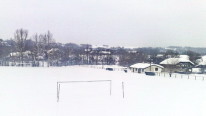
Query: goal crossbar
(83,81)
(62,82)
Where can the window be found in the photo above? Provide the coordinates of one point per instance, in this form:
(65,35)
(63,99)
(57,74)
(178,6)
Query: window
(156,69)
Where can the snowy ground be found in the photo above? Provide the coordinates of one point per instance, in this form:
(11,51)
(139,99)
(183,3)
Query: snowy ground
(33,92)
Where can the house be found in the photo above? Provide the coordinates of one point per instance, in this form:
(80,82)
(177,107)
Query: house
(145,67)
(201,65)
(181,64)
(201,61)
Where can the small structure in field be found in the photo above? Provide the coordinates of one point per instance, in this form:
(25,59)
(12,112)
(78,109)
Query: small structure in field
(146,67)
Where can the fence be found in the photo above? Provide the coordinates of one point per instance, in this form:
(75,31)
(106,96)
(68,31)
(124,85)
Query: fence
(105,67)
(162,74)
(182,76)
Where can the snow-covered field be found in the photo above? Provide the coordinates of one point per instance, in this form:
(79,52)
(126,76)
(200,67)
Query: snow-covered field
(33,92)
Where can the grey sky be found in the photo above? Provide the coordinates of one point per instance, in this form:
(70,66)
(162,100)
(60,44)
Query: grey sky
(134,23)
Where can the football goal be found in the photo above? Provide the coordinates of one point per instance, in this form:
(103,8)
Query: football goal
(91,81)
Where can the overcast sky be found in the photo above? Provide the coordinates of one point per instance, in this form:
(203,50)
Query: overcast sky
(135,23)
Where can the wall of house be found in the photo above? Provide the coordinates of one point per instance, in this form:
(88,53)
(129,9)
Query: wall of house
(199,70)
(154,69)
(136,70)
(175,68)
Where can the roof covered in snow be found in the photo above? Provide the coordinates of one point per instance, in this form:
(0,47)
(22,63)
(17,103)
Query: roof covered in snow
(201,61)
(144,65)
(100,46)
(174,61)
(184,57)
(15,54)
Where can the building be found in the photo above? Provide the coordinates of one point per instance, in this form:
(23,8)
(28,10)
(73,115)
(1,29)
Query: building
(180,64)
(201,65)
(146,67)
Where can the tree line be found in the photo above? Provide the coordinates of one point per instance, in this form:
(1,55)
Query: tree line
(23,49)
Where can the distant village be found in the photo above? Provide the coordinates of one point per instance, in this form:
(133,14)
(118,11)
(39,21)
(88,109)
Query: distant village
(41,50)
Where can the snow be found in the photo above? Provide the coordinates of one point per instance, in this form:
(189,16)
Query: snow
(175,61)
(202,60)
(196,70)
(184,57)
(33,91)
(114,67)
(100,46)
(15,54)
(144,65)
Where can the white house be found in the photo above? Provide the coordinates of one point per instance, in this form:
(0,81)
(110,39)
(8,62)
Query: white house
(146,67)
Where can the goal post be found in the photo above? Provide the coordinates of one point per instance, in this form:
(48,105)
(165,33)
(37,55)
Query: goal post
(90,81)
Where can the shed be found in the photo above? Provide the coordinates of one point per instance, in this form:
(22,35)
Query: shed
(145,67)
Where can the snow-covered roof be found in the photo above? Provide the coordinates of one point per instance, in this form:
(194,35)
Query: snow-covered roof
(15,54)
(27,52)
(174,61)
(184,57)
(105,52)
(201,61)
(40,57)
(204,57)
(144,65)
(52,50)
(130,47)
(100,46)
(160,55)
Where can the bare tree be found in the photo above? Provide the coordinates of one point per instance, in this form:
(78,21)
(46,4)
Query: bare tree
(36,48)
(20,38)
(49,38)
(48,47)
(44,44)
(55,56)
